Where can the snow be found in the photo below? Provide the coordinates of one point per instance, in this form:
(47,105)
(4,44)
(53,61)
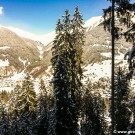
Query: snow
(36,85)
(40,48)
(132,82)
(18,76)
(8,89)
(102,45)
(4,63)
(107,54)
(49,37)
(108,42)
(28,63)
(4,55)
(4,47)
(98,70)
(23,61)
(45,38)
(48,69)
(93,22)
(103,70)
(133,19)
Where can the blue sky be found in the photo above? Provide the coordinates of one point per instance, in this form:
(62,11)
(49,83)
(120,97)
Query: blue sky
(40,16)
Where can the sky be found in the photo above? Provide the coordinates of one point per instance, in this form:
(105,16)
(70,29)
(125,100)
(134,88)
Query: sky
(40,16)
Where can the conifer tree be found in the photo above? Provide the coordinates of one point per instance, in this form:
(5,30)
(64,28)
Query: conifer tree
(61,81)
(124,12)
(66,62)
(57,43)
(27,97)
(42,115)
(13,99)
(26,107)
(4,121)
(92,115)
(122,113)
(15,125)
(13,110)
(76,43)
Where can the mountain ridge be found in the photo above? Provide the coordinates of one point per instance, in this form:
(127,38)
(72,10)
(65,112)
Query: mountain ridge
(49,37)
(23,55)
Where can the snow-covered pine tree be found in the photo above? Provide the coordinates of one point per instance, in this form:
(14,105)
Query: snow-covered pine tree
(13,110)
(42,111)
(13,99)
(55,54)
(26,107)
(122,113)
(79,36)
(92,115)
(57,43)
(4,121)
(15,125)
(76,42)
(74,82)
(67,51)
(27,97)
(60,63)
(61,82)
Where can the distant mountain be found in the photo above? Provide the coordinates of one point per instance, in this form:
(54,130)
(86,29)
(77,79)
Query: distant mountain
(44,39)
(93,22)
(48,38)
(19,54)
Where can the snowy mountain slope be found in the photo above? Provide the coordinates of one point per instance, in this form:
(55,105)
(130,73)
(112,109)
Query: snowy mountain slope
(25,55)
(21,53)
(45,39)
(48,38)
(93,22)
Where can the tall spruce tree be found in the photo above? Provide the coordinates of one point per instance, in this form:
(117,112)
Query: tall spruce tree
(13,110)
(27,97)
(122,113)
(13,99)
(93,110)
(4,121)
(66,62)
(57,43)
(26,107)
(42,110)
(61,82)
(76,43)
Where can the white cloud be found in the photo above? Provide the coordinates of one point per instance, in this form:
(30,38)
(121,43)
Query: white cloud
(1,10)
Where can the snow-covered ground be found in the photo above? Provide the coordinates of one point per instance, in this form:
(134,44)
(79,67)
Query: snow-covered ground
(18,76)
(97,70)
(4,47)
(4,63)
(8,84)
(106,54)
(40,48)
(93,72)
(23,61)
